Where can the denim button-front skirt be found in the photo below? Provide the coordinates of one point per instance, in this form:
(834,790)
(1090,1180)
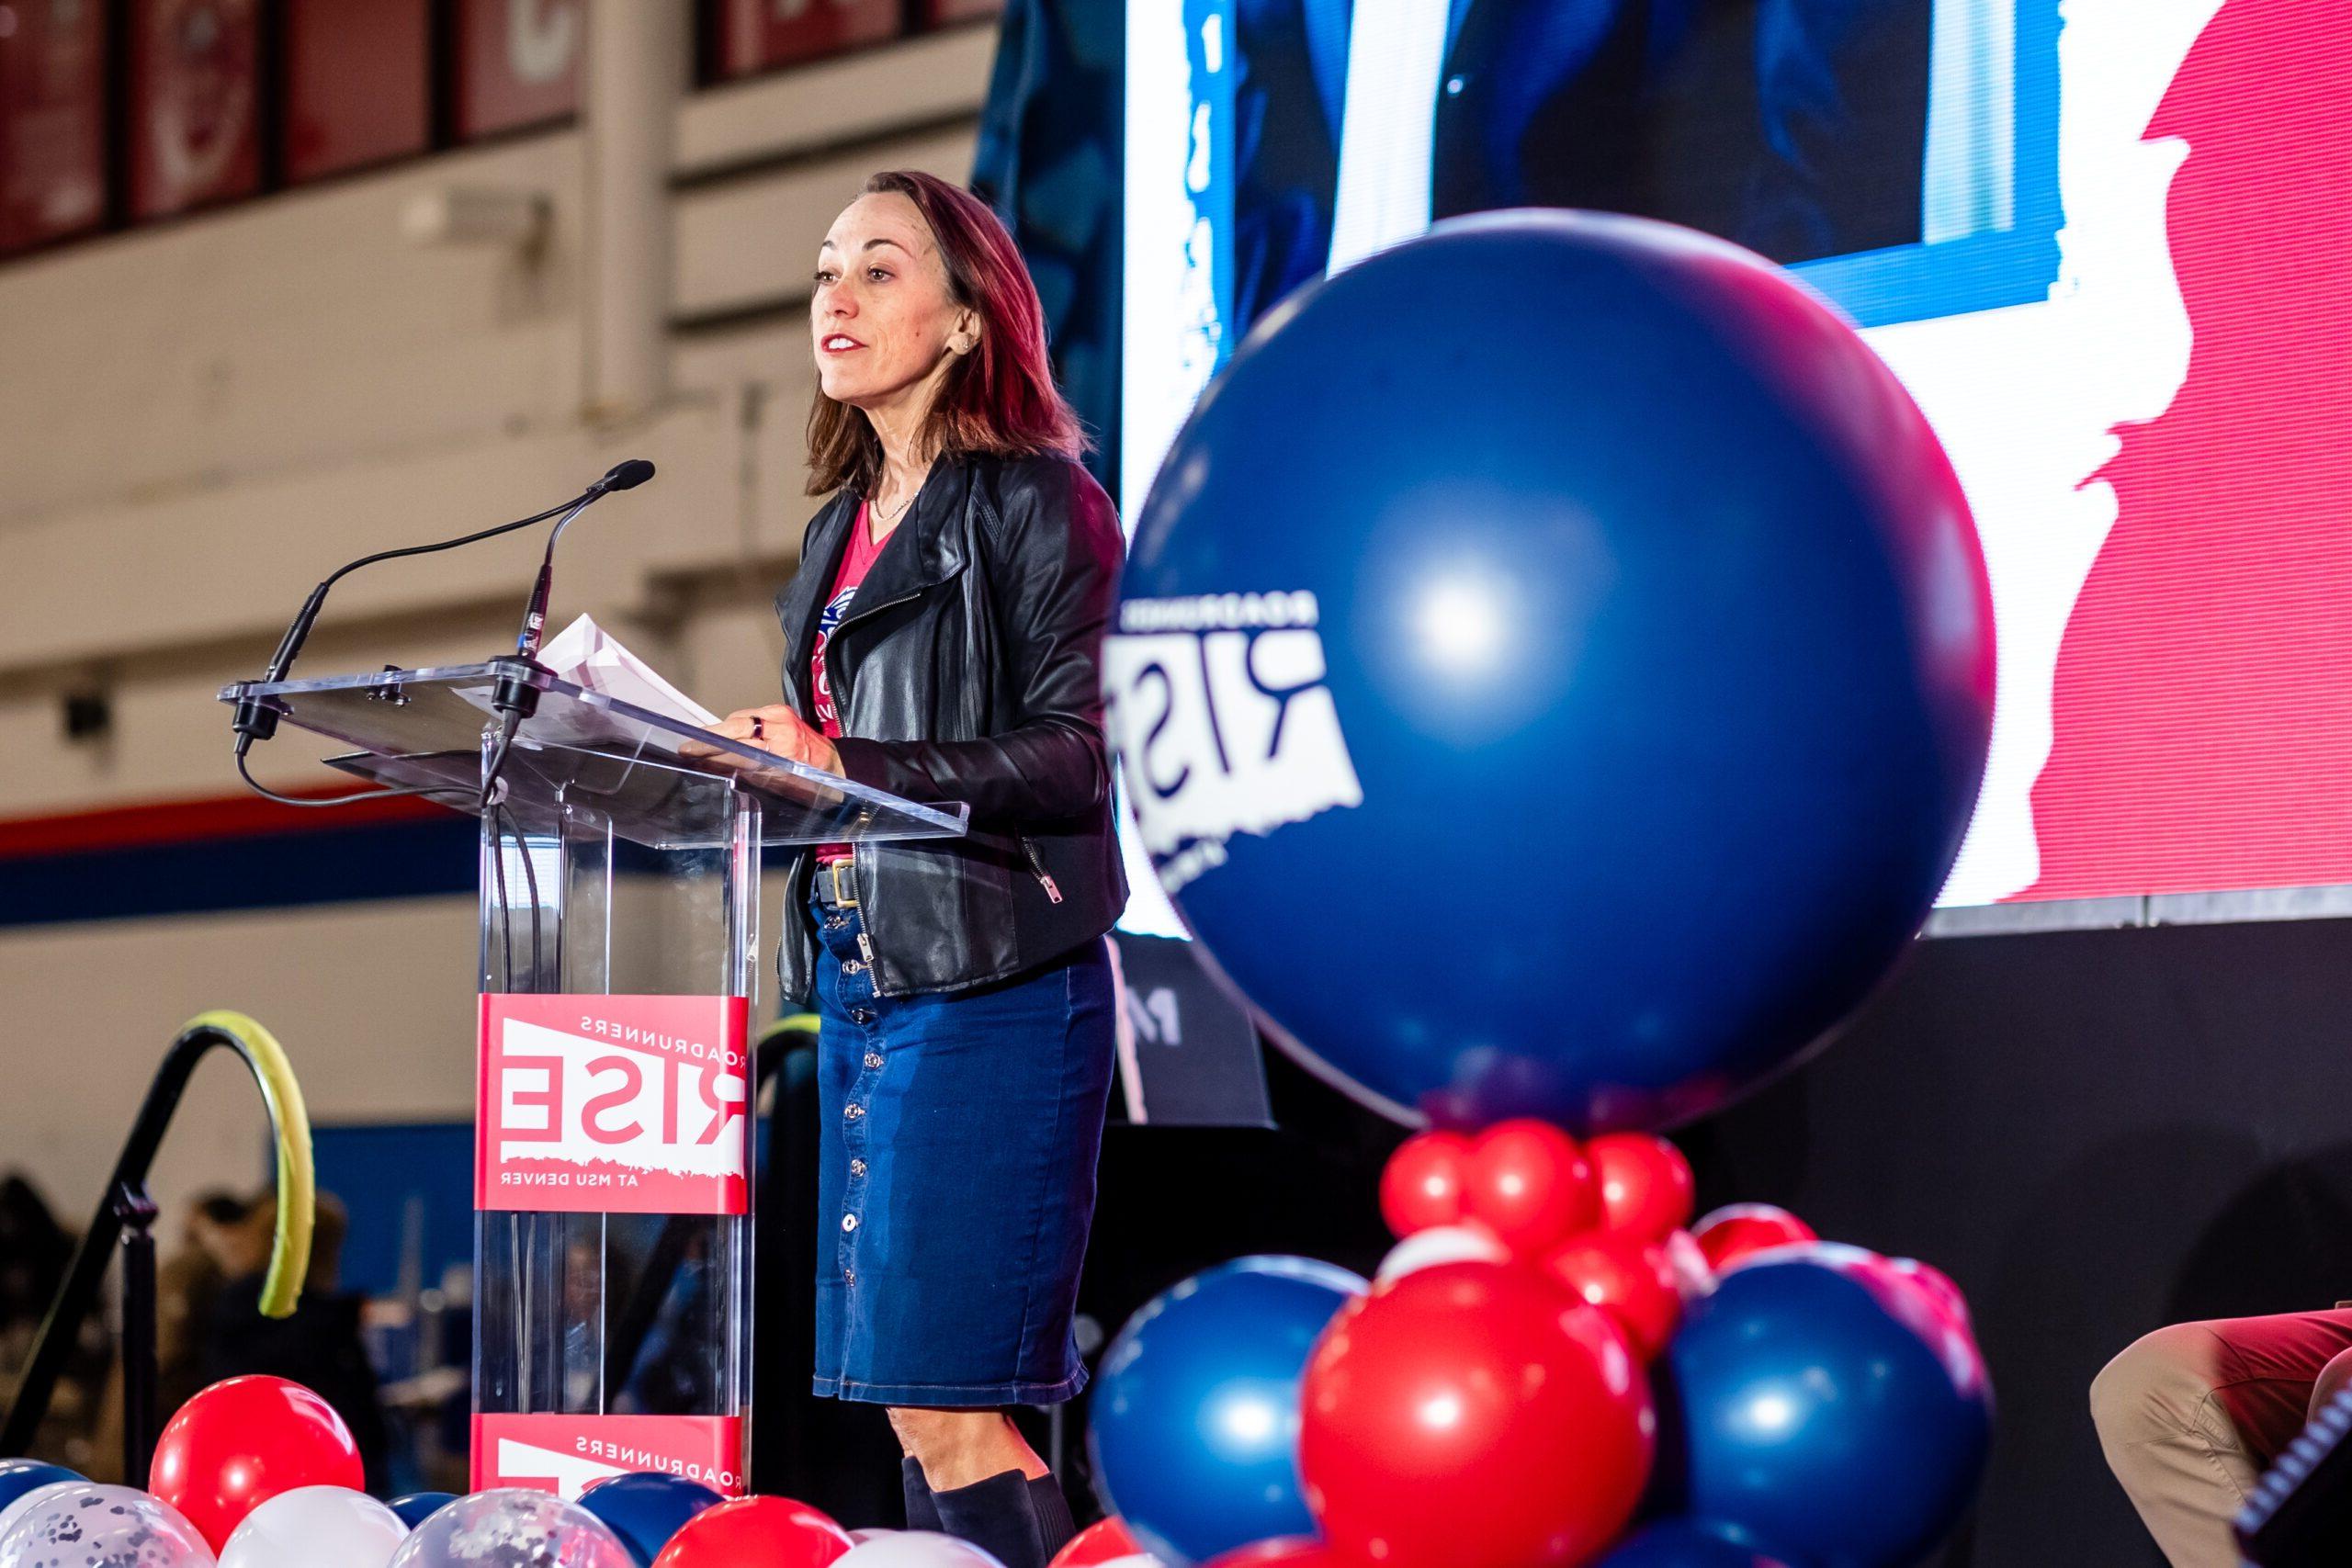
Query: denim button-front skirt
(958,1140)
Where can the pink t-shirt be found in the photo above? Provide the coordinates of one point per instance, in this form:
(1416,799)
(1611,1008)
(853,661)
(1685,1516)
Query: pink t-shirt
(857,560)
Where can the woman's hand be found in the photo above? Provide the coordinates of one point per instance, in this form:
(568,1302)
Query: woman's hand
(777,728)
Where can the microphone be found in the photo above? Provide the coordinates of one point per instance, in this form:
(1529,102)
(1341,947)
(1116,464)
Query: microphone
(626,475)
(254,720)
(514,696)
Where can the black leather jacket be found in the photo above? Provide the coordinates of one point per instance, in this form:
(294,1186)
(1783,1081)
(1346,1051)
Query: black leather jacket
(969,667)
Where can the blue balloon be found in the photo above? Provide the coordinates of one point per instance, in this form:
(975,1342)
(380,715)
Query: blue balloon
(18,1476)
(645,1509)
(1677,1543)
(1554,672)
(1193,1427)
(1825,1407)
(419,1506)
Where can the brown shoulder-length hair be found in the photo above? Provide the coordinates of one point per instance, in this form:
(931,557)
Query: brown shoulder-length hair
(999,399)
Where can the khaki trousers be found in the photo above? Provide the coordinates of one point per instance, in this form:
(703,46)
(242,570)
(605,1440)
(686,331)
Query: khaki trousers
(2190,1417)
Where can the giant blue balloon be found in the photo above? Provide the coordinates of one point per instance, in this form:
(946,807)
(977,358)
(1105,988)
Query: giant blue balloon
(1825,1407)
(1554,672)
(645,1508)
(1194,1429)
(1676,1543)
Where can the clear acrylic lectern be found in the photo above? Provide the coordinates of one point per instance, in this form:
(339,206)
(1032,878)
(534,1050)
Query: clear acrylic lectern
(618,975)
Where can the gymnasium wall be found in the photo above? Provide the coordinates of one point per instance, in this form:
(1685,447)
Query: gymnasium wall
(205,416)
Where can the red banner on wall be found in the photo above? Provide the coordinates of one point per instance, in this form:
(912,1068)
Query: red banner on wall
(357,88)
(193,104)
(568,1454)
(52,120)
(518,62)
(941,13)
(756,34)
(613,1104)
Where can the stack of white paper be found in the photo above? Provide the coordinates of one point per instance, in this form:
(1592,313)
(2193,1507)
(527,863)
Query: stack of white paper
(590,657)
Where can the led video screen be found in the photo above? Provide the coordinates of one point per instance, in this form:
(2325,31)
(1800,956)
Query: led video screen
(2101,242)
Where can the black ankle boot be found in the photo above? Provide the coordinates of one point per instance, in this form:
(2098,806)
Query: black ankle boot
(1020,1522)
(1055,1527)
(922,1514)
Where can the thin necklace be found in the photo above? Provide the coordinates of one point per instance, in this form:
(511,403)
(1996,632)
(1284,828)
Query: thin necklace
(893,516)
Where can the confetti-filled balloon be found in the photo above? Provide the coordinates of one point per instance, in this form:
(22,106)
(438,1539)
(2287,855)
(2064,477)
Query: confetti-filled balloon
(510,1528)
(83,1525)
(28,1500)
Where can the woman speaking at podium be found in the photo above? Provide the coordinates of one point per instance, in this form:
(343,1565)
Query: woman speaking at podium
(943,635)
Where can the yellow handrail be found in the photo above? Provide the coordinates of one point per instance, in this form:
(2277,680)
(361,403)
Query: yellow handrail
(289,1124)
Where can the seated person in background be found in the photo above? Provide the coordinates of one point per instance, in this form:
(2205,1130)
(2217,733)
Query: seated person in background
(34,1252)
(319,1346)
(2191,1415)
(187,1285)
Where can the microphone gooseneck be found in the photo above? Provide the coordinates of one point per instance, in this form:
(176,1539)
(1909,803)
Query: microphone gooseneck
(253,719)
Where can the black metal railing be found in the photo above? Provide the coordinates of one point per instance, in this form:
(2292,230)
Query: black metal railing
(126,1216)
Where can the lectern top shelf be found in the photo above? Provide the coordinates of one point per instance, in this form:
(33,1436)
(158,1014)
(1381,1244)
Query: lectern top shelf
(583,755)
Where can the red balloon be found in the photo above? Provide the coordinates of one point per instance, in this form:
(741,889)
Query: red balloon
(1736,1230)
(238,1444)
(1422,1184)
(1282,1551)
(755,1532)
(1472,1415)
(1529,1184)
(1937,1283)
(1104,1540)
(1632,1283)
(1645,1189)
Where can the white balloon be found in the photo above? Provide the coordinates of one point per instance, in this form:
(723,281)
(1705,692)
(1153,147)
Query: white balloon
(1693,1276)
(82,1523)
(314,1525)
(915,1549)
(1441,1244)
(856,1536)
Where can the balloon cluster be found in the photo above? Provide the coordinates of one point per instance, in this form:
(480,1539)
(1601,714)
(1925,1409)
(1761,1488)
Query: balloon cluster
(260,1472)
(1555,1367)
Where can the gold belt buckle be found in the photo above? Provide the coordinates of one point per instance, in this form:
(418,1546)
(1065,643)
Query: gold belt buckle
(846,900)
